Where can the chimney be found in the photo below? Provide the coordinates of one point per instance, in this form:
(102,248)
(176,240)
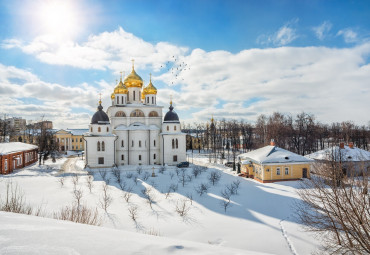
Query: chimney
(341,145)
(272,143)
(350,145)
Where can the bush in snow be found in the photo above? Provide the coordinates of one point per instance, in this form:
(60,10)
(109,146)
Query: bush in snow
(139,170)
(127,195)
(77,194)
(226,195)
(214,177)
(162,169)
(61,181)
(78,214)
(171,175)
(129,175)
(202,189)
(146,176)
(14,200)
(182,207)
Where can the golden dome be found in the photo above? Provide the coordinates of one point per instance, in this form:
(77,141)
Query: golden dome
(133,79)
(150,89)
(112,96)
(120,88)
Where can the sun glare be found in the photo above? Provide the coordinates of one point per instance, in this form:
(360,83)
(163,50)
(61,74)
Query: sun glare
(58,17)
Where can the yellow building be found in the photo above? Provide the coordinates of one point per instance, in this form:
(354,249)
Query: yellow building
(70,139)
(271,164)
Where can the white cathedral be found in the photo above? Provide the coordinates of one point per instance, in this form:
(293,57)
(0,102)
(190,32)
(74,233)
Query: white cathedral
(132,132)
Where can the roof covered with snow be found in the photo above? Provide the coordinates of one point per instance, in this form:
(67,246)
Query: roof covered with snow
(345,154)
(6,148)
(272,154)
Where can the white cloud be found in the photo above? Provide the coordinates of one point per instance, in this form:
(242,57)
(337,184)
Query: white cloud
(349,35)
(285,35)
(322,30)
(108,50)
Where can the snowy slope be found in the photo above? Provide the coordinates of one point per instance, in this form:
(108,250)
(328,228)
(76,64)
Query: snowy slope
(261,218)
(24,234)
(346,154)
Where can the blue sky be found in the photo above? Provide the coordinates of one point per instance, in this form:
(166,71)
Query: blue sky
(247,57)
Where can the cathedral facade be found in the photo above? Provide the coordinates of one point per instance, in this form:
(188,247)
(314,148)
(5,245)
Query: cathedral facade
(132,131)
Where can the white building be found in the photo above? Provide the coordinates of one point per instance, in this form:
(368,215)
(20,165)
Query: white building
(132,131)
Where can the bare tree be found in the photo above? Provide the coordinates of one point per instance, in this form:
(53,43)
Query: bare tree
(214,177)
(172,188)
(171,175)
(129,175)
(139,170)
(182,207)
(127,195)
(196,171)
(162,169)
(190,197)
(75,179)
(202,189)
(89,182)
(77,194)
(337,208)
(106,199)
(136,179)
(61,180)
(226,195)
(117,174)
(103,174)
(149,196)
(133,212)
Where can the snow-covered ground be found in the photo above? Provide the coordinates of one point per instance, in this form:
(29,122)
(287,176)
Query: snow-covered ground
(260,219)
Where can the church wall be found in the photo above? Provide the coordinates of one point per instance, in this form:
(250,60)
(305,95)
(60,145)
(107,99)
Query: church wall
(93,155)
(169,152)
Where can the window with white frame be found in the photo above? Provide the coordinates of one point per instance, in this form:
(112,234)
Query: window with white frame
(286,170)
(6,165)
(278,171)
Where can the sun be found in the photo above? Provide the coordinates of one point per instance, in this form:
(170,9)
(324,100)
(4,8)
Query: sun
(58,17)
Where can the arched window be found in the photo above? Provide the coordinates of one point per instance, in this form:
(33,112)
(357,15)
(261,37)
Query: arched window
(122,143)
(132,144)
(107,129)
(177,143)
(174,128)
(99,129)
(103,146)
(168,128)
(137,113)
(147,100)
(154,143)
(117,100)
(128,96)
(173,143)
(152,100)
(134,95)
(98,146)
(153,114)
(139,143)
(122,157)
(153,156)
(91,129)
(120,114)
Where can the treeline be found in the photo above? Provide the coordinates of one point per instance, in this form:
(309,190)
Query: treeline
(301,134)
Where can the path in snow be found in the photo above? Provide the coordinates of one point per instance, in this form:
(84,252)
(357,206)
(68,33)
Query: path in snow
(290,244)
(70,166)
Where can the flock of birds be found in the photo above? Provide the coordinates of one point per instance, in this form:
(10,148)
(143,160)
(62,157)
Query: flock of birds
(176,67)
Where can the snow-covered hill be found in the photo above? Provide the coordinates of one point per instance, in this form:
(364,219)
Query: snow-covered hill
(260,219)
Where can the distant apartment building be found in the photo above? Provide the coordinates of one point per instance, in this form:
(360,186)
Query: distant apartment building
(70,139)
(16,124)
(45,124)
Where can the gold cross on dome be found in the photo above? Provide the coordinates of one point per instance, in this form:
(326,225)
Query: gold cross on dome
(133,62)
(171,99)
(150,77)
(99,98)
